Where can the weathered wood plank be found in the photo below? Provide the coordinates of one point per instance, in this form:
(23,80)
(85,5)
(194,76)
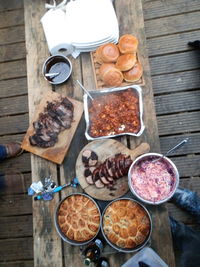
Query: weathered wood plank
(13,87)
(14,105)
(12,52)
(13,35)
(14,124)
(173,63)
(16,249)
(11,18)
(16,205)
(193,145)
(154,9)
(172,24)
(179,123)
(188,166)
(47,243)
(171,43)
(21,163)
(27,263)
(14,182)
(175,82)
(14,69)
(11,4)
(10,138)
(177,102)
(17,226)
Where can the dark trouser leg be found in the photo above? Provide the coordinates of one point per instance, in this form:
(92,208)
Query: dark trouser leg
(188,242)
(3,153)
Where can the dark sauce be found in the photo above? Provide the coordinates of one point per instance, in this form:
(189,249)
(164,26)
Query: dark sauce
(58,65)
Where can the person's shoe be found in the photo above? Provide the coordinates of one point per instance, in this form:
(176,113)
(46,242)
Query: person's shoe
(13,149)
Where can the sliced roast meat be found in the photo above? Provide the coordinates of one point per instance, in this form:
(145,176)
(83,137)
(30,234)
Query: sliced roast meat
(88,175)
(89,158)
(99,184)
(103,178)
(57,116)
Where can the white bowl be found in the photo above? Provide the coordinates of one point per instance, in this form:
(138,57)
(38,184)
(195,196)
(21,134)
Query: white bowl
(153,156)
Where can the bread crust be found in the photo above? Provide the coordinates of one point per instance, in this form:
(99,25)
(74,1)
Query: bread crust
(110,75)
(134,74)
(78,218)
(128,44)
(126,62)
(107,53)
(126,224)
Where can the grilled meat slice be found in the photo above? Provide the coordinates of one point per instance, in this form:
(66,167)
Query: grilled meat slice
(57,116)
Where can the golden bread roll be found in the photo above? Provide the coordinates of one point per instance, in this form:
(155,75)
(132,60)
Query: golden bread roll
(126,62)
(107,53)
(133,74)
(126,223)
(78,218)
(128,44)
(110,75)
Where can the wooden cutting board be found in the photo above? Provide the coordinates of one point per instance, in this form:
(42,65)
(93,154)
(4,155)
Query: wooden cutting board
(104,149)
(59,150)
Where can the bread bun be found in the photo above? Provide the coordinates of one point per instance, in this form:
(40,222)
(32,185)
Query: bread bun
(133,74)
(126,62)
(126,224)
(110,75)
(107,53)
(128,44)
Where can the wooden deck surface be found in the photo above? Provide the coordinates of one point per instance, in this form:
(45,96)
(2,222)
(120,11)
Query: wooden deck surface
(175,70)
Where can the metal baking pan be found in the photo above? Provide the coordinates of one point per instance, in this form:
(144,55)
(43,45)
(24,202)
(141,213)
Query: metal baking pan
(62,235)
(127,250)
(97,93)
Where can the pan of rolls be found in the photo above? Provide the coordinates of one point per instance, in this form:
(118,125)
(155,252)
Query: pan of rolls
(117,65)
(126,225)
(114,112)
(77,219)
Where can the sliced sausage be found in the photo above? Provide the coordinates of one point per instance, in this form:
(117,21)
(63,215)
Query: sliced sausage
(89,158)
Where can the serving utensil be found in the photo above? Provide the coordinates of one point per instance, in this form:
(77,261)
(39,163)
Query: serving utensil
(183,142)
(52,75)
(85,90)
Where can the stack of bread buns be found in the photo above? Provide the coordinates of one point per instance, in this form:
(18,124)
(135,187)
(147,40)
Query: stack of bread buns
(119,62)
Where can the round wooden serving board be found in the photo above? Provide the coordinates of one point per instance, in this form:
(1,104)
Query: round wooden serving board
(105,149)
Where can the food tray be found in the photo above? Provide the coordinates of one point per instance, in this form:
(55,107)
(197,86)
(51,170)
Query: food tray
(127,250)
(100,84)
(96,93)
(62,235)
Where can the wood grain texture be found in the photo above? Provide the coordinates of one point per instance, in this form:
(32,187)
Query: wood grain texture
(21,163)
(134,23)
(177,102)
(13,87)
(105,149)
(179,123)
(13,35)
(154,9)
(171,43)
(16,226)
(176,62)
(175,82)
(14,124)
(14,69)
(27,263)
(11,4)
(16,249)
(12,52)
(172,24)
(14,105)
(56,153)
(47,244)
(11,18)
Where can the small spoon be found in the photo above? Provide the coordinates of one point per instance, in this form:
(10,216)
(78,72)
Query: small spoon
(183,142)
(85,90)
(52,75)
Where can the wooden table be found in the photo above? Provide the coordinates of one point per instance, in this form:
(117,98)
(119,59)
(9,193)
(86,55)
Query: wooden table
(49,250)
